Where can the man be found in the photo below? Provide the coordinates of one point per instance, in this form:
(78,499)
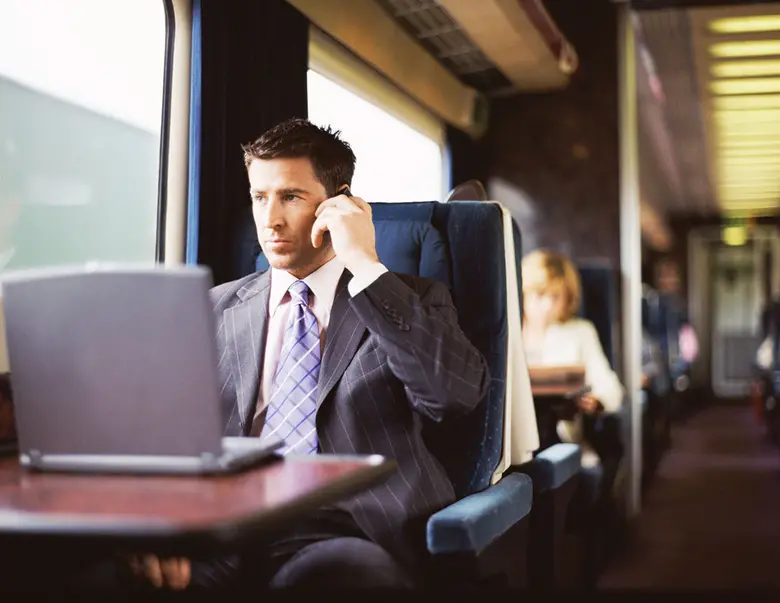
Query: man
(335,354)
(683,349)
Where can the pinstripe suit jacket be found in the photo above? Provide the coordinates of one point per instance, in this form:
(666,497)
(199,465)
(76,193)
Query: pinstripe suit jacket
(394,357)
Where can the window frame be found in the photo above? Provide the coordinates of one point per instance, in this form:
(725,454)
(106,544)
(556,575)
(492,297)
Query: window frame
(165,131)
(177,209)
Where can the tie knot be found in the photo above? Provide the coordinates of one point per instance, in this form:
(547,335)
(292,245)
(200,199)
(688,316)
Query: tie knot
(299,291)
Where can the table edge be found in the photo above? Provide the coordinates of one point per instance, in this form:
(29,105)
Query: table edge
(157,538)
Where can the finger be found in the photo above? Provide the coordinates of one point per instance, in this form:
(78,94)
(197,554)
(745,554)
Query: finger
(347,204)
(177,572)
(185,572)
(324,221)
(318,230)
(170,569)
(333,212)
(341,202)
(325,205)
(153,570)
(362,204)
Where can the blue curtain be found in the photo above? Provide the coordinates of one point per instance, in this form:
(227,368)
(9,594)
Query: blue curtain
(467,159)
(250,60)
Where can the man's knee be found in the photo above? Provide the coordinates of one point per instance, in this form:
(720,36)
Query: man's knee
(342,563)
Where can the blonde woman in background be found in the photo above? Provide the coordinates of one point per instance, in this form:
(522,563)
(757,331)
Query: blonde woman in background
(554,336)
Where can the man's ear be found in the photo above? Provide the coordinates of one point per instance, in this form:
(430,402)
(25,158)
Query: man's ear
(345,190)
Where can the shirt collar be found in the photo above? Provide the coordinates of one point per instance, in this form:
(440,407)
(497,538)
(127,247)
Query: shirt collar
(322,282)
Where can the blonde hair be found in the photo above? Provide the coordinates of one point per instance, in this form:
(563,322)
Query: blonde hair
(542,268)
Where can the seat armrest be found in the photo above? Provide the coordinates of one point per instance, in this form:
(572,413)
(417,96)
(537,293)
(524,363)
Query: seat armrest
(473,523)
(554,466)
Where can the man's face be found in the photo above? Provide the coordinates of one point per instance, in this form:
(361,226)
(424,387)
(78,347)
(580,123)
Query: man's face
(668,278)
(285,195)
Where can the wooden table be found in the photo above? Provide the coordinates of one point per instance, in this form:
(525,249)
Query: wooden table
(553,390)
(176,515)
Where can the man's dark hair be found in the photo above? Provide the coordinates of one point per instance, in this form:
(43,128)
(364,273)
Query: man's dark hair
(331,158)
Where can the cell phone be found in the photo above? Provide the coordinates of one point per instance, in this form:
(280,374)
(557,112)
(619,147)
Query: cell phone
(578,393)
(344,190)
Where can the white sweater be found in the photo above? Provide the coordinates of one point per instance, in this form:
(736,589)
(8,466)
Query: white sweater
(577,342)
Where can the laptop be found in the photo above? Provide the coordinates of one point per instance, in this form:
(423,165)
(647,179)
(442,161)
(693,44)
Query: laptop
(114,370)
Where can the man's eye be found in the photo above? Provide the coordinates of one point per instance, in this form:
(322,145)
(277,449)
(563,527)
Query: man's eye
(291,197)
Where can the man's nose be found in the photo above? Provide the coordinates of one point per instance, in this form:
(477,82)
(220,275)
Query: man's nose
(273,214)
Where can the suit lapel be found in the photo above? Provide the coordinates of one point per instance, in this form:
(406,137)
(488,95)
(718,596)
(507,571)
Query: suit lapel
(345,332)
(246,326)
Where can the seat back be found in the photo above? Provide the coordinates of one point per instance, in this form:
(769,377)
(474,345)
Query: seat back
(608,432)
(462,246)
(599,303)
(519,263)
(408,242)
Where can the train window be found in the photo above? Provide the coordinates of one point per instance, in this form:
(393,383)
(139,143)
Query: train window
(81,106)
(398,144)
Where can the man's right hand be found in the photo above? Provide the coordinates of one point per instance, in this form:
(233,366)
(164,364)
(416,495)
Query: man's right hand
(174,573)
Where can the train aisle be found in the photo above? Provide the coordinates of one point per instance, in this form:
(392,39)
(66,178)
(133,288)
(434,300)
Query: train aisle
(711,518)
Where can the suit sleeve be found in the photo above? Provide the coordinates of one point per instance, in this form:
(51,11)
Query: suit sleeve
(444,374)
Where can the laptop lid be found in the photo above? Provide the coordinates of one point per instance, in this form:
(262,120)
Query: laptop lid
(113,360)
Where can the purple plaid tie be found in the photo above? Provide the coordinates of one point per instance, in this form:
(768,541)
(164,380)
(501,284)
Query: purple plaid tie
(293,404)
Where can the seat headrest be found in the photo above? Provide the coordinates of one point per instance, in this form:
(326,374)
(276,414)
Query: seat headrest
(407,242)
(414,212)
